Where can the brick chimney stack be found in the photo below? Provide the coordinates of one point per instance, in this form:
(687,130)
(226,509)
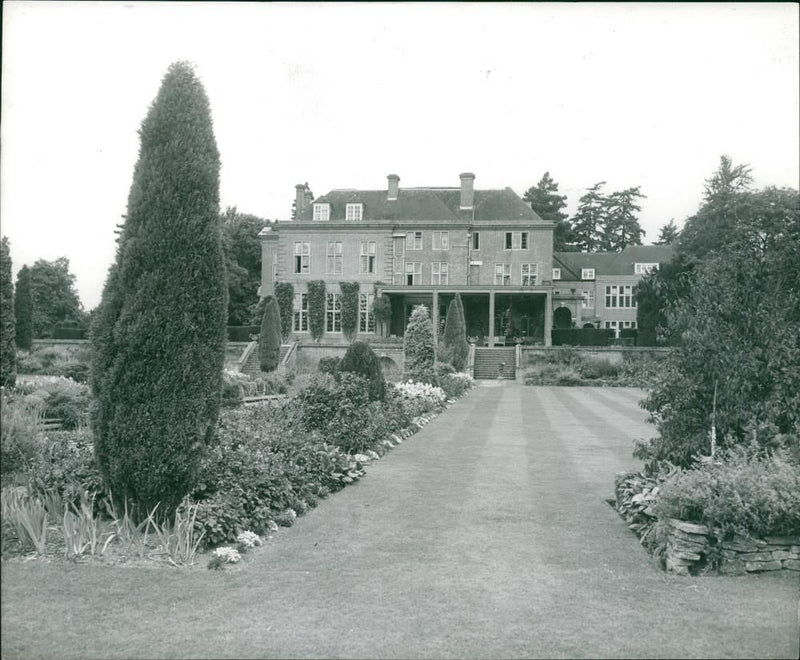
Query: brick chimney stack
(467,190)
(394,187)
(299,199)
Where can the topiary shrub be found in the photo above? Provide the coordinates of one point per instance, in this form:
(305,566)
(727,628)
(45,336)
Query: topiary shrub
(349,309)
(284,294)
(269,341)
(361,359)
(418,347)
(316,309)
(454,339)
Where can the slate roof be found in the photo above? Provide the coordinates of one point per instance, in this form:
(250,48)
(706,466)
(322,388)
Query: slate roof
(609,263)
(428,204)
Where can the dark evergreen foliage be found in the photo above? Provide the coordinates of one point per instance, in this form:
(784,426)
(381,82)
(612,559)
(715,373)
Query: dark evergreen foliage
(242,248)
(549,205)
(284,294)
(349,309)
(269,341)
(316,308)
(419,351)
(620,226)
(159,334)
(361,359)
(454,340)
(668,234)
(55,298)
(23,309)
(8,356)
(382,311)
(587,223)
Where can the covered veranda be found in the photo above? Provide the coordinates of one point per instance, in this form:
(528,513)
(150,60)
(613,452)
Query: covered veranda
(494,315)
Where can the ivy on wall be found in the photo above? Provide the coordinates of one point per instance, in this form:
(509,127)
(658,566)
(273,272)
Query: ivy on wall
(284,294)
(349,309)
(382,310)
(316,308)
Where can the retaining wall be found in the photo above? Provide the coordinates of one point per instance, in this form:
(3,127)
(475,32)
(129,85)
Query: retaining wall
(612,354)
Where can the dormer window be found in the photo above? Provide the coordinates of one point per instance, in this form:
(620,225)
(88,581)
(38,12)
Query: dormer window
(642,268)
(587,273)
(354,212)
(556,273)
(322,212)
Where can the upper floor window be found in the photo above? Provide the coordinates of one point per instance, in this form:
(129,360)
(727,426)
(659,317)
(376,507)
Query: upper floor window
(476,240)
(335,258)
(441,240)
(588,299)
(530,274)
(353,211)
(439,272)
(300,323)
(642,268)
(413,273)
(502,274)
(516,240)
(366,321)
(414,240)
(367,250)
(587,273)
(556,273)
(302,257)
(620,296)
(322,212)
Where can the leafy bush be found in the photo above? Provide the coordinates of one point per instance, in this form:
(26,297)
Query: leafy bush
(592,369)
(418,347)
(582,336)
(455,385)
(329,365)
(746,491)
(20,421)
(420,398)
(552,374)
(361,359)
(62,399)
(242,332)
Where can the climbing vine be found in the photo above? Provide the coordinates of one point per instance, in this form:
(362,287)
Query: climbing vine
(284,294)
(349,309)
(316,308)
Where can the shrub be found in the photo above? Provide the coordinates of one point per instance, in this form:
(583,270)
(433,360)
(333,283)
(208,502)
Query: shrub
(454,339)
(418,347)
(349,309)
(745,490)
(592,369)
(329,365)
(361,359)
(455,385)
(420,398)
(552,374)
(284,294)
(243,332)
(582,336)
(269,341)
(20,420)
(316,308)
(382,311)
(158,392)
(8,351)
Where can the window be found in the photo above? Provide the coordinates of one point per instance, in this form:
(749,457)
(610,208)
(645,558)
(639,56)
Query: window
(628,324)
(353,212)
(502,274)
(302,257)
(620,296)
(587,273)
(300,323)
(441,240)
(476,240)
(333,312)
(588,299)
(322,212)
(413,273)
(368,250)
(530,274)
(516,240)
(366,321)
(414,240)
(641,269)
(335,257)
(556,273)
(439,272)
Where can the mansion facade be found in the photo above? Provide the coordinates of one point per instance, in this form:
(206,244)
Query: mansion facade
(422,245)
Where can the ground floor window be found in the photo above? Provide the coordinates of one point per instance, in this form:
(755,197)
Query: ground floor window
(300,323)
(366,321)
(333,313)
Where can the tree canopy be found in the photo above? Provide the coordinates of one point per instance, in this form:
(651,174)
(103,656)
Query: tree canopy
(668,233)
(549,205)
(55,298)
(23,309)
(242,249)
(8,372)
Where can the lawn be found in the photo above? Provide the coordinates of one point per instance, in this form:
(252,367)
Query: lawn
(486,534)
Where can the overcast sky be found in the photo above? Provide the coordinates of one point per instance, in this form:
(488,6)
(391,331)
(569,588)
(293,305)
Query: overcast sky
(340,95)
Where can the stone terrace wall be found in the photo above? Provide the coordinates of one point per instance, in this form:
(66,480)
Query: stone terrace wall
(612,354)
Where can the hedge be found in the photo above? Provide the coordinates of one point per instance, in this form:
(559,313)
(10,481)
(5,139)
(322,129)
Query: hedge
(242,332)
(582,336)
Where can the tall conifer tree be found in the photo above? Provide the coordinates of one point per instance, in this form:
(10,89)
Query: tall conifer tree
(23,309)
(159,333)
(549,205)
(8,370)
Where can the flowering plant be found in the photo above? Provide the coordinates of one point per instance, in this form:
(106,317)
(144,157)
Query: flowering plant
(227,555)
(248,539)
(419,398)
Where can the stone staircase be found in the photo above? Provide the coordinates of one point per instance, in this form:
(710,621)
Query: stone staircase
(252,366)
(495,363)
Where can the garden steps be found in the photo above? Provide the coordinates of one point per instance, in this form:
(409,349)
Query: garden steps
(495,363)
(252,366)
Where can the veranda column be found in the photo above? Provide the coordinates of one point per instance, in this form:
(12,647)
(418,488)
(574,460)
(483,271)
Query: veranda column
(435,316)
(548,318)
(491,319)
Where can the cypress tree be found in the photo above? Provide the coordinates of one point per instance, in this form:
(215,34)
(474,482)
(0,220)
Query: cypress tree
(419,352)
(455,334)
(361,359)
(8,356)
(23,309)
(160,330)
(269,341)
(284,294)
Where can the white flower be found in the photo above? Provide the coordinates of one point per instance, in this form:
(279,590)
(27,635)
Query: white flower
(229,555)
(249,539)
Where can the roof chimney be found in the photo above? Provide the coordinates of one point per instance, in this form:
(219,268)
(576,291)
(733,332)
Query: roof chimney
(467,190)
(394,187)
(299,199)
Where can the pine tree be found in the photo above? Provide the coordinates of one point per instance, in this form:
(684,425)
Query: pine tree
(269,341)
(159,333)
(8,356)
(620,226)
(668,233)
(23,309)
(549,205)
(587,223)
(418,348)
(454,339)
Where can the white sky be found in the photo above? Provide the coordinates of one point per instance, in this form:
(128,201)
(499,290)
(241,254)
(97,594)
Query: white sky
(340,95)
